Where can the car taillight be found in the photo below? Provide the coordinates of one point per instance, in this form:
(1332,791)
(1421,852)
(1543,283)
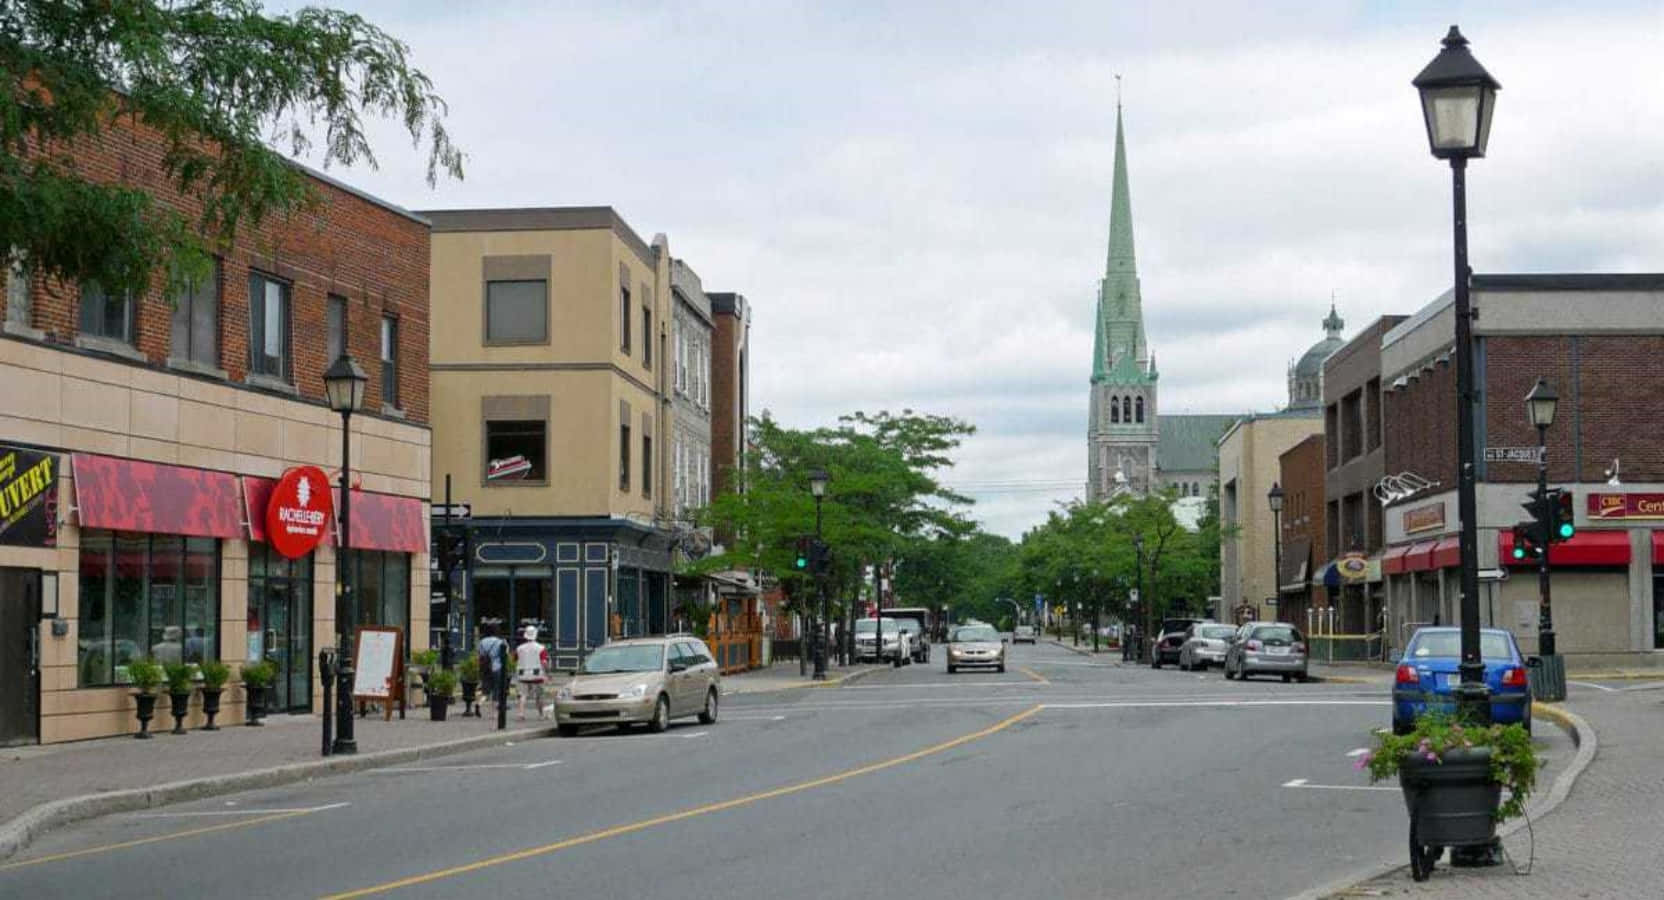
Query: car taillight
(1299,647)
(1255,646)
(1513,677)
(1407,675)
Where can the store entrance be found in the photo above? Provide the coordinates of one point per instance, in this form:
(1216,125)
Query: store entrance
(280,625)
(19,656)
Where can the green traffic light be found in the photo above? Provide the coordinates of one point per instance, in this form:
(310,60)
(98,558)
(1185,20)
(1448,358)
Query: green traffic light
(1519,552)
(802,563)
(1567,530)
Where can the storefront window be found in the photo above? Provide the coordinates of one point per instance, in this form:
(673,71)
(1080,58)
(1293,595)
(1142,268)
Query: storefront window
(382,583)
(143,595)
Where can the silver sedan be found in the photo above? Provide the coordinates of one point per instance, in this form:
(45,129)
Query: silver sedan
(1205,645)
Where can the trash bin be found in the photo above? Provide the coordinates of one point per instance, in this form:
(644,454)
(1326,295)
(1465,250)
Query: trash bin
(1547,677)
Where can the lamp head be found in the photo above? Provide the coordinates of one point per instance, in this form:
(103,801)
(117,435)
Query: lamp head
(1457,99)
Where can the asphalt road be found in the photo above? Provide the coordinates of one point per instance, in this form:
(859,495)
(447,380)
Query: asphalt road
(1063,777)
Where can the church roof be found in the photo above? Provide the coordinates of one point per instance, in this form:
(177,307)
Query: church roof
(1311,364)
(1189,443)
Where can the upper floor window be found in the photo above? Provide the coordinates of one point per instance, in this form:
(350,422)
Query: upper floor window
(1138,406)
(390,361)
(17,290)
(1114,411)
(335,329)
(105,316)
(268,318)
(517,312)
(624,452)
(647,335)
(196,319)
(624,316)
(646,459)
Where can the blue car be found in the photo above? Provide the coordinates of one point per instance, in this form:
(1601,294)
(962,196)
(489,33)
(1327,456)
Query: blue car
(1428,673)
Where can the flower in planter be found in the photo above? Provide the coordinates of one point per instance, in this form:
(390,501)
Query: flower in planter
(1513,761)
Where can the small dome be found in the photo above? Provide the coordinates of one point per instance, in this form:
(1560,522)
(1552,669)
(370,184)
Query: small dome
(1311,365)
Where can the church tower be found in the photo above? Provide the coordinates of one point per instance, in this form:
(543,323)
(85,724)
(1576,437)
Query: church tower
(1121,432)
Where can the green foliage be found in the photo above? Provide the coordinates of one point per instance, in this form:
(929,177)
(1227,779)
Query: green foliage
(214,674)
(145,674)
(427,658)
(180,676)
(468,668)
(259,674)
(441,683)
(1513,761)
(215,79)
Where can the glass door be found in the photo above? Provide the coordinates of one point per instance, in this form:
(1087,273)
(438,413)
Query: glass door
(280,625)
(275,640)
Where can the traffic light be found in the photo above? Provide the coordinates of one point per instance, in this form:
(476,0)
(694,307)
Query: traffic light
(1527,543)
(1563,524)
(821,558)
(1536,504)
(804,549)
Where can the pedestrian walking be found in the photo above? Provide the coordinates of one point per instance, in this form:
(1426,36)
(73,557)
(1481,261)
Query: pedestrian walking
(531,670)
(491,649)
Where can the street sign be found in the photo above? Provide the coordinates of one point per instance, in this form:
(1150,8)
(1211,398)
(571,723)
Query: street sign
(1513,454)
(457,510)
(1133,594)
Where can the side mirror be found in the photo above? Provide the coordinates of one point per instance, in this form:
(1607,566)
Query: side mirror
(677,665)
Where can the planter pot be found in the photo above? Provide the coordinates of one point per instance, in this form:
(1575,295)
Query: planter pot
(256,704)
(147,711)
(181,709)
(470,696)
(438,706)
(211,707)
(1452,803)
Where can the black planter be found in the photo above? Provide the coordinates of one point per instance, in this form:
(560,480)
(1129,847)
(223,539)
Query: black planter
(181,709)
(1452,803)
(470,696)
(211,707)
(438,707)
(147,711)
(256,704)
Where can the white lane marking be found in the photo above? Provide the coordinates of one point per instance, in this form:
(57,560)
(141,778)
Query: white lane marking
(954,684)
(1301,783)
(1298,782)
(1218,703)
(1086,701)
(237,812)
(1358,752)
(753,718)
(552,762)
(464,768)
(692,735)
(1598,687)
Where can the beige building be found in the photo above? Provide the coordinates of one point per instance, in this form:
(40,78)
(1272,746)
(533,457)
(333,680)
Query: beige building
(551,399)
(1248,467)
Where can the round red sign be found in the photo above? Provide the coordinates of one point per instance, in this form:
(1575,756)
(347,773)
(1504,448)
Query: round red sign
(298,511)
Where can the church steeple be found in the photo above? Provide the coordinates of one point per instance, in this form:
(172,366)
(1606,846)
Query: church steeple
(1119,354)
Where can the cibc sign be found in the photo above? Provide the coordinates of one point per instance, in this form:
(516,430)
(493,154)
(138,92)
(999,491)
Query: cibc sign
(298,511)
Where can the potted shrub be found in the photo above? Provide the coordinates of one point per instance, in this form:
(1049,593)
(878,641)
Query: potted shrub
(145,675)
(468,673)
(1453,774)
(441,685)
(422,662)
(257,677)
(214,676)
(181,684)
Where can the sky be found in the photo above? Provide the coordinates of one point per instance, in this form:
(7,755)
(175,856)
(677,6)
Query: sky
(915,196)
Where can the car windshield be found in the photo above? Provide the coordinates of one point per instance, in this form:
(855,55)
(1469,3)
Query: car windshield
(1449,644)
(625,658)
(975,633)
(908,625)
(1215,632)
(1276,633)
(868,626)
(1172,625)
(1025,629)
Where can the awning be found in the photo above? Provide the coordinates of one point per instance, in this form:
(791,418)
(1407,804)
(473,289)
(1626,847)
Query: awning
(1658,548)
(1586,548)
(386,522)
(1420,557)
(1447,553)
(257,493)
(1392,559)
(156,498)
(1329,575)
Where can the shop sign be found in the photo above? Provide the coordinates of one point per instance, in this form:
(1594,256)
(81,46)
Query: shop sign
(1424,518)
(1353,567)
(1626,506)
(298,511)
(28,498)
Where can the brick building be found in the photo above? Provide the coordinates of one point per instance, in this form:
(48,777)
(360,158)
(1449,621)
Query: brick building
(165,421)
(1596,339)
(1299,594)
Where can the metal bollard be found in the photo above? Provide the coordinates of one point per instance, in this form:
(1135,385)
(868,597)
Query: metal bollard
(326,673)
(502,688)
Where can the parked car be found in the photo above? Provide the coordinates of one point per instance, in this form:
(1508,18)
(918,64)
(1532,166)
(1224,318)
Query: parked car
(1267,648)
(918,644)
(975,645)
(651,680)
(1428,673)
(1023,634)
(1205,644)
(1171,640)
(920,636)
(897,648)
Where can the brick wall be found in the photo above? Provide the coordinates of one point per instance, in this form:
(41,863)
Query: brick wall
(726,428)
(1421,426)
(1302,476)
(346,245)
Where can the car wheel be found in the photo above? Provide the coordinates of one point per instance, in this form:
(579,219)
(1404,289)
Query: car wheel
(661,715)
(708,717)
(567,730)
(951,669)
(1287,678)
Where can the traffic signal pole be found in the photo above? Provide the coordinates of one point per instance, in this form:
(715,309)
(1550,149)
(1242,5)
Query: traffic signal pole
(1548,528)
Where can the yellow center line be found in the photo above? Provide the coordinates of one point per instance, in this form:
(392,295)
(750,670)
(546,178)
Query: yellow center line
(746,800)
(192,832)
(1034,675)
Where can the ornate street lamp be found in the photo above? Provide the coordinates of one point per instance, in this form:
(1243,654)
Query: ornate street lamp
(1275,498)
(1457,99)
(1540,405)
(817,488)
(344,386)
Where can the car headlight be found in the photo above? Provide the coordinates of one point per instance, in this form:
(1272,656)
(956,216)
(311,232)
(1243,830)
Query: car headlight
(565,692)
(634,691)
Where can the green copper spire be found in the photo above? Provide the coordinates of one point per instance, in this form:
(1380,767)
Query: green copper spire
(1119,355)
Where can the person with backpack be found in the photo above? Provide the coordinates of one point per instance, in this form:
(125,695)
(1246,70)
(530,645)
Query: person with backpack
(491,650)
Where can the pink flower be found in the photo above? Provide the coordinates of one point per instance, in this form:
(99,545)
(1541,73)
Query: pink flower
(1363,762)
(1432,757)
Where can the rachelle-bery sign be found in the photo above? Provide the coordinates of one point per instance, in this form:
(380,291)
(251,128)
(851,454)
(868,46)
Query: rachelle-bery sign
(1424,518)
(298,511)
(28,498)
(1626,506)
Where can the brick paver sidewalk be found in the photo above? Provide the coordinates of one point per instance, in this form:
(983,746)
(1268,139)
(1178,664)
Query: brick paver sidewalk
(1601,842)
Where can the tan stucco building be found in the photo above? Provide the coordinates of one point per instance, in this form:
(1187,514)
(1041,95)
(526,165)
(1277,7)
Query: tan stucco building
(1248,467)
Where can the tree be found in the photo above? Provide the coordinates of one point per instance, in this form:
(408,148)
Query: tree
(215,79)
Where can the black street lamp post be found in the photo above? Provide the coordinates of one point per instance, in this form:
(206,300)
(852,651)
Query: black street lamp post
(1138,596)
(1275,498)
(1541,403)
(817,486)
(344,386)
(1457,99)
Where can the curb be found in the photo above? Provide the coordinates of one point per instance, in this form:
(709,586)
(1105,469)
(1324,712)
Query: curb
(1582,734)
(17,833)
(828,683)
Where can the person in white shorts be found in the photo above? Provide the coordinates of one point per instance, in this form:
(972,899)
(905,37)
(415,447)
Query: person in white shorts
(531,670)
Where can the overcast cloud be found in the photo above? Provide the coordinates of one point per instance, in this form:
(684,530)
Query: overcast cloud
(915,197)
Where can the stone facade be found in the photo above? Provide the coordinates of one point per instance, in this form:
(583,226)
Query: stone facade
(1248,465)
(691,391)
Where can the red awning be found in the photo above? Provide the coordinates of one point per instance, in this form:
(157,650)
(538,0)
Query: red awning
(130,495)
(1586,548)
(1658,548)
(386,522)
(1447,553)
(257,493)
(1419,558)
(1392,560)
